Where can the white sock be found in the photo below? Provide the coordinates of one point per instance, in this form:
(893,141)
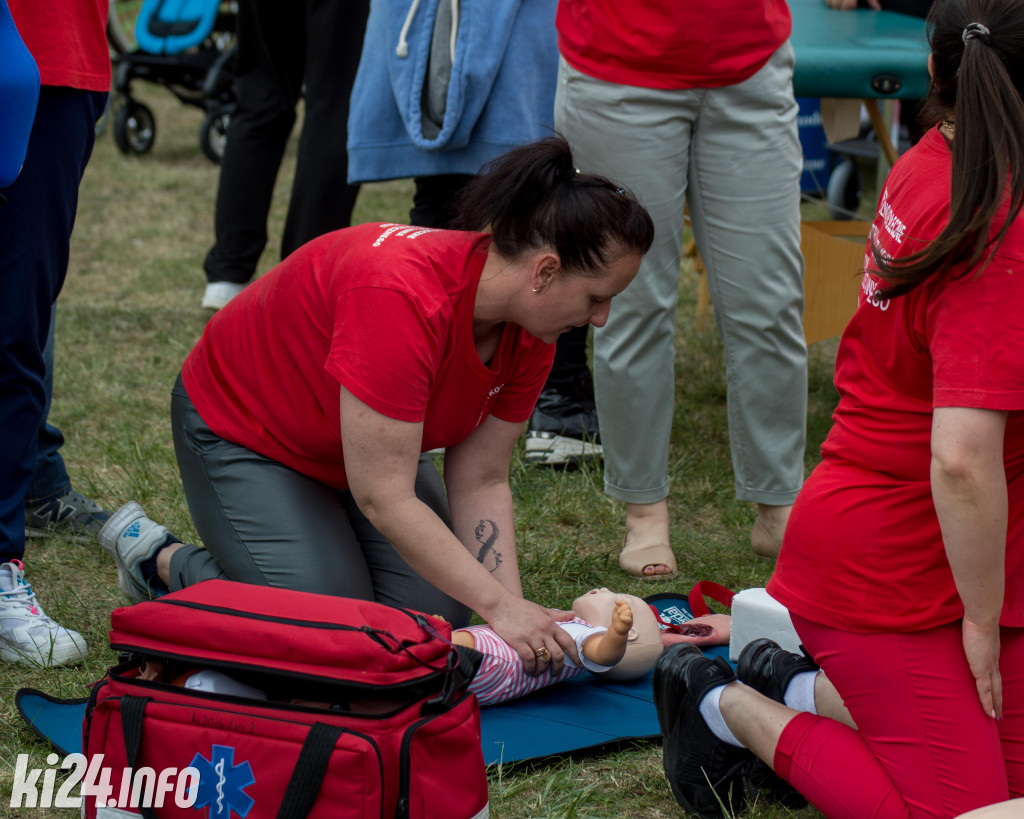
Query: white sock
(712,714)
(800,692)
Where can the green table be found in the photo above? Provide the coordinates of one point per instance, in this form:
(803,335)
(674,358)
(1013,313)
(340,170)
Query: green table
(862,54)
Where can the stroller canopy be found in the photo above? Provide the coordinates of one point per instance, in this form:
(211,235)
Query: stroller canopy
(172,26)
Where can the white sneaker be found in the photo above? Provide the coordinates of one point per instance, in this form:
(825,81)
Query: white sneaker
(551,449)
(218,294)
(132,539)
(27,635)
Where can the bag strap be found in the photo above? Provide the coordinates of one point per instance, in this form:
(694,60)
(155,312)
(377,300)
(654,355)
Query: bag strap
(305,781)
(393,645)
(308,775)
(133,711)
(708,588)
(462,667)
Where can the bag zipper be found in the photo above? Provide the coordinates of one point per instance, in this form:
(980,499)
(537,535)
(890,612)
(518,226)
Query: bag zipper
(292,621)
(276,705)
(392,645)
(402,806)
(421,686)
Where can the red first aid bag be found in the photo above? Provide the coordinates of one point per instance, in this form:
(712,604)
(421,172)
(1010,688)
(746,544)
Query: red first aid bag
(319,706)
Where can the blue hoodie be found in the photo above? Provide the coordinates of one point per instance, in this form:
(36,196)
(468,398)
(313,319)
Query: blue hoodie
(501,91)
(19,95)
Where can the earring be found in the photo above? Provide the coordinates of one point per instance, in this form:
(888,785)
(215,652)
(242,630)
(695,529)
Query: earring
(536,290)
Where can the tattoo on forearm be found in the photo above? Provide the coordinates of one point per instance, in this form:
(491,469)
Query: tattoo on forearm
(487,535)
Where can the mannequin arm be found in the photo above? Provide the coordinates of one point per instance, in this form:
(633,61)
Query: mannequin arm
(608,648)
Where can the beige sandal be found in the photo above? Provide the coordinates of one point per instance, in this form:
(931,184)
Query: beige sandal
(636,558)
(763,542)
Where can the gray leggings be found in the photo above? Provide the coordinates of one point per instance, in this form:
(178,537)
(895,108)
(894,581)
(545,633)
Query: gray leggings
(266,524)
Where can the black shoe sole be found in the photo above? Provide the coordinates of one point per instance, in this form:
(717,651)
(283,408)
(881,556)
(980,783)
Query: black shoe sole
(767,785)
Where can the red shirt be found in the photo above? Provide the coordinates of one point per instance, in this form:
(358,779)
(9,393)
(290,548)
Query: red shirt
(863,549)
(671,44)
(68,41)
(384,310)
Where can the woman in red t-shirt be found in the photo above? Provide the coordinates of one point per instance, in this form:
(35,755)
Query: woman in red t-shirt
(302,415)
(903,563)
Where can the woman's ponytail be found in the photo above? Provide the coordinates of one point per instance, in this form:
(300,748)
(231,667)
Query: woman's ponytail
(978,77)
(534,196)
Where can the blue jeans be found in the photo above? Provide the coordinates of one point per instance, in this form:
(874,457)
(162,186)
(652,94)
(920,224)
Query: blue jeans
(35,233)
(50,478)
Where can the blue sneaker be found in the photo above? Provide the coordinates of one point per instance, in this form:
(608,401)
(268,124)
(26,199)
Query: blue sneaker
(67,514)
(132,539)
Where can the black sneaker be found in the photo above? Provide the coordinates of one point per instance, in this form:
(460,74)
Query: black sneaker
(563,430)
(768,668)
(68,514)
(705,773)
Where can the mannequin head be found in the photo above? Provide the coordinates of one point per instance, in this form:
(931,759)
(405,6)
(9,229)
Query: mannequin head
(644,643)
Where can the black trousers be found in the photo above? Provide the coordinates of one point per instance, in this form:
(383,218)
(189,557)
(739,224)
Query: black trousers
(286,51)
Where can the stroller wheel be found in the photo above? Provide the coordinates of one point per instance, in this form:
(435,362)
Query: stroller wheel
(213,134)
(134,128)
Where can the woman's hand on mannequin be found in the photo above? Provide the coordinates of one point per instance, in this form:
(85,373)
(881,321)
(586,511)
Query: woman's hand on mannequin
(381,458)
(381,461)
(480,503)
(528,628)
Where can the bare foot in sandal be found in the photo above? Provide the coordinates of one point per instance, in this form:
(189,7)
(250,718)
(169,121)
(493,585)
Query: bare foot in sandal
(646,552)
(769,526)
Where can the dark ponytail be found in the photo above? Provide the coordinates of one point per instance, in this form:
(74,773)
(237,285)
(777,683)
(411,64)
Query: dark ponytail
(534,197)
(978,63)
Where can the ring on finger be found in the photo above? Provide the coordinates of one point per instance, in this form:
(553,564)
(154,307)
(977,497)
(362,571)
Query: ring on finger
(542,653)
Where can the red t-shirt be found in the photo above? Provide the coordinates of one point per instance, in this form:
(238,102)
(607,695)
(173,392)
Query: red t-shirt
(67,40)
(385,310)
(863,547)
(671,44)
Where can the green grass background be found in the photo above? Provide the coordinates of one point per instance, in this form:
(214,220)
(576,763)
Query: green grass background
(128,315)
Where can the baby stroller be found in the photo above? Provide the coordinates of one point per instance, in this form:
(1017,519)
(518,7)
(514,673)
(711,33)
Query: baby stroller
(186,46)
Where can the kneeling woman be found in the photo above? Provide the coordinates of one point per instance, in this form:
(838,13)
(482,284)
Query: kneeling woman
(301,416)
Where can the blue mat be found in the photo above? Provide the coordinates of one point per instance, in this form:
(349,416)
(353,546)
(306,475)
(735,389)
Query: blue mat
(580,714)
(584,713)
(57,721)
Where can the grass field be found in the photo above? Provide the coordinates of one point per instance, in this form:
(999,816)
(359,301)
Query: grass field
(129,314)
